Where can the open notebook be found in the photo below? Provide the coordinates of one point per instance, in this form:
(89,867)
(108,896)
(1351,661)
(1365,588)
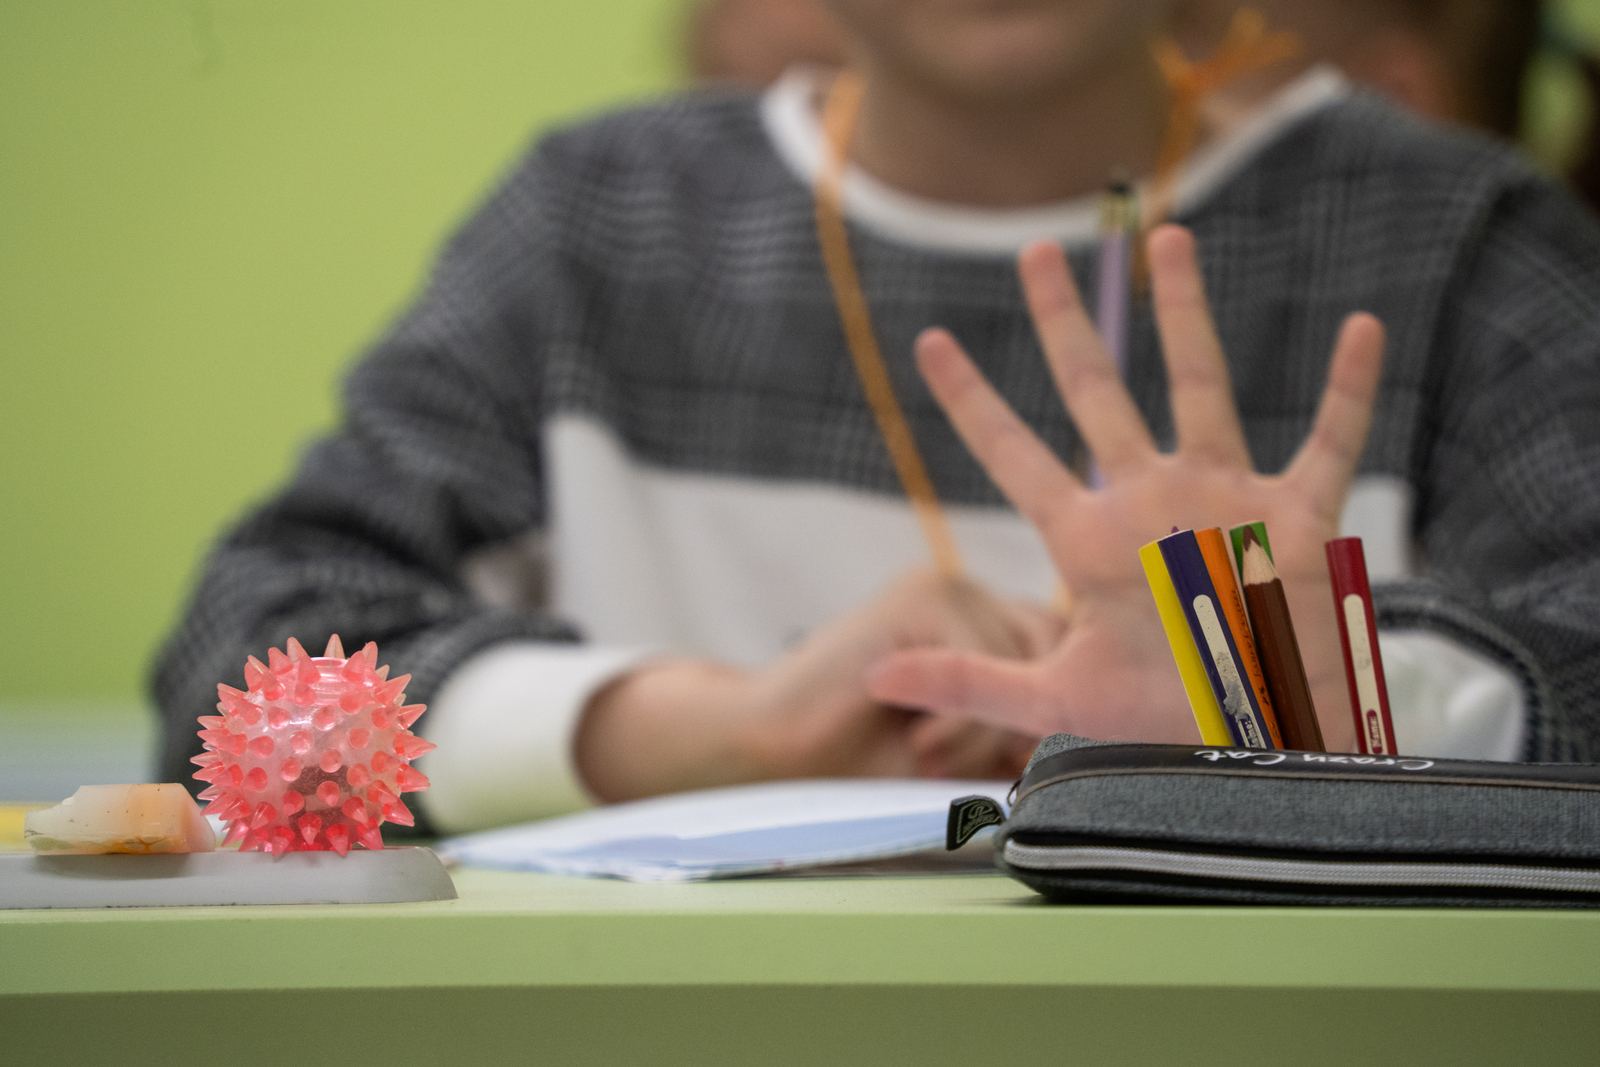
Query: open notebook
(817,826)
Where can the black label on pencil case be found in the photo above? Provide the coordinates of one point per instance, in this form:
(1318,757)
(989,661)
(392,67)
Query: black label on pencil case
(1100,760)
(967,816)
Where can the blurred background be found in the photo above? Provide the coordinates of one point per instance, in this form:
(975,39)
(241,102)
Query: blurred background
(207,209)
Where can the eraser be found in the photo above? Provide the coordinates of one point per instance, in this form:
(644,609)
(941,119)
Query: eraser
(139,819)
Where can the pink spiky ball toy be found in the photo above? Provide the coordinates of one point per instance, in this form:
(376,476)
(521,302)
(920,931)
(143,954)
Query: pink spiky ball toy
(315,755)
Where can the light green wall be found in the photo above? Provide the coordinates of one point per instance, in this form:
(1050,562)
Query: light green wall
(206,210)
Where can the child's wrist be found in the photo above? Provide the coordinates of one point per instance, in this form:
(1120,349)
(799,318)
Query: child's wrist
(663,727)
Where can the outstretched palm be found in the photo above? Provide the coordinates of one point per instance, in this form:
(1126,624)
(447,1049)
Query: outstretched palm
(1112,676)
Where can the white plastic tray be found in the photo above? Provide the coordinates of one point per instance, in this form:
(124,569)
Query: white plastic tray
(388,876)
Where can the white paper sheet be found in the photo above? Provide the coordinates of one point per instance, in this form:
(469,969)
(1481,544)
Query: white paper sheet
(741,830)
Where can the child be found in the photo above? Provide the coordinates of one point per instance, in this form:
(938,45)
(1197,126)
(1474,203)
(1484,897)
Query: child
(626,407)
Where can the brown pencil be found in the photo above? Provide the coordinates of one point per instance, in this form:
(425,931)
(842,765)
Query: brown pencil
(1278,649)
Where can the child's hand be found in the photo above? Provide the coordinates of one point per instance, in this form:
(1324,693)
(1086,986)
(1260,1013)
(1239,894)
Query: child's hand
(1112,675)
(687,724)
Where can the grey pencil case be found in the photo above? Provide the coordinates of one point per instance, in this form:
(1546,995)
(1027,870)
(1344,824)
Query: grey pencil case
(1098,822)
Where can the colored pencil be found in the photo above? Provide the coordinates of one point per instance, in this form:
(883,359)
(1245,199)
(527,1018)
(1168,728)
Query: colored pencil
(1214,549)
(1278,649)
(1202,700)
(1119,221)
(1213,637)
(1358,632)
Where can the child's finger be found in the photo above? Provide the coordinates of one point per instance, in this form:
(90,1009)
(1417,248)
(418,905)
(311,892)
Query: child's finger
(949,747)
(1203,410)
(965,684)
(1027,472)
(1327,460)
(1090,386)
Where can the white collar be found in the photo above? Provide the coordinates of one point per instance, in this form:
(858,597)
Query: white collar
(789,114)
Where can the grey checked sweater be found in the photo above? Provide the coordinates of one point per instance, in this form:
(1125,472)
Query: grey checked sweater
(656,272)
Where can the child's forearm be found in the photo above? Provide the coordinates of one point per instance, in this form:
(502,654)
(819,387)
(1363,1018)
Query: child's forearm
(664,727)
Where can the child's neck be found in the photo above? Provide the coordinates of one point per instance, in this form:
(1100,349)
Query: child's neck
(1048,147)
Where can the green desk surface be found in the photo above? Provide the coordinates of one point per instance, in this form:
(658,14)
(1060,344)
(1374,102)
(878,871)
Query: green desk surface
(957,969)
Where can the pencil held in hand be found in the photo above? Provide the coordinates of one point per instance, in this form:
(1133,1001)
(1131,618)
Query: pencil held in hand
(1277,647)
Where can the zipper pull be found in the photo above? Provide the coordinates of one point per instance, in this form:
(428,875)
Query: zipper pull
(968,815)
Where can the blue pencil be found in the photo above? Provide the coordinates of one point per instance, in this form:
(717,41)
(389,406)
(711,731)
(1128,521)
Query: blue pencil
(1224,664)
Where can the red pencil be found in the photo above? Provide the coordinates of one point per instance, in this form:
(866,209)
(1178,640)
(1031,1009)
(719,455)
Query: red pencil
(1358,632)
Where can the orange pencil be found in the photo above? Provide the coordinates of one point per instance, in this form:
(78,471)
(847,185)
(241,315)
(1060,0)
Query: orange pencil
(1214,549)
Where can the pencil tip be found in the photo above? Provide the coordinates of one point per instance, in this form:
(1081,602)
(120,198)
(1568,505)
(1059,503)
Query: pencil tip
(1256,568)
(1250,537)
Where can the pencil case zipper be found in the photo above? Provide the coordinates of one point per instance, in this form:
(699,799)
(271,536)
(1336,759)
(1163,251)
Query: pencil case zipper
(1297,871)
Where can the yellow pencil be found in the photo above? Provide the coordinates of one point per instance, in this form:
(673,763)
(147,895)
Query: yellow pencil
(1202,701)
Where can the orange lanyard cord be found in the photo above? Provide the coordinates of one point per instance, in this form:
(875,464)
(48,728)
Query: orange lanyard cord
(839,115)
(1248,48)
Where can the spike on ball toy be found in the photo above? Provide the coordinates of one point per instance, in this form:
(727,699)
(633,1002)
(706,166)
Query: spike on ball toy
(314,754)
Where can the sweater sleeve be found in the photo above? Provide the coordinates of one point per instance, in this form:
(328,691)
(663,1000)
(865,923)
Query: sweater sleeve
(438,456)
(1509,513)
(504,722)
